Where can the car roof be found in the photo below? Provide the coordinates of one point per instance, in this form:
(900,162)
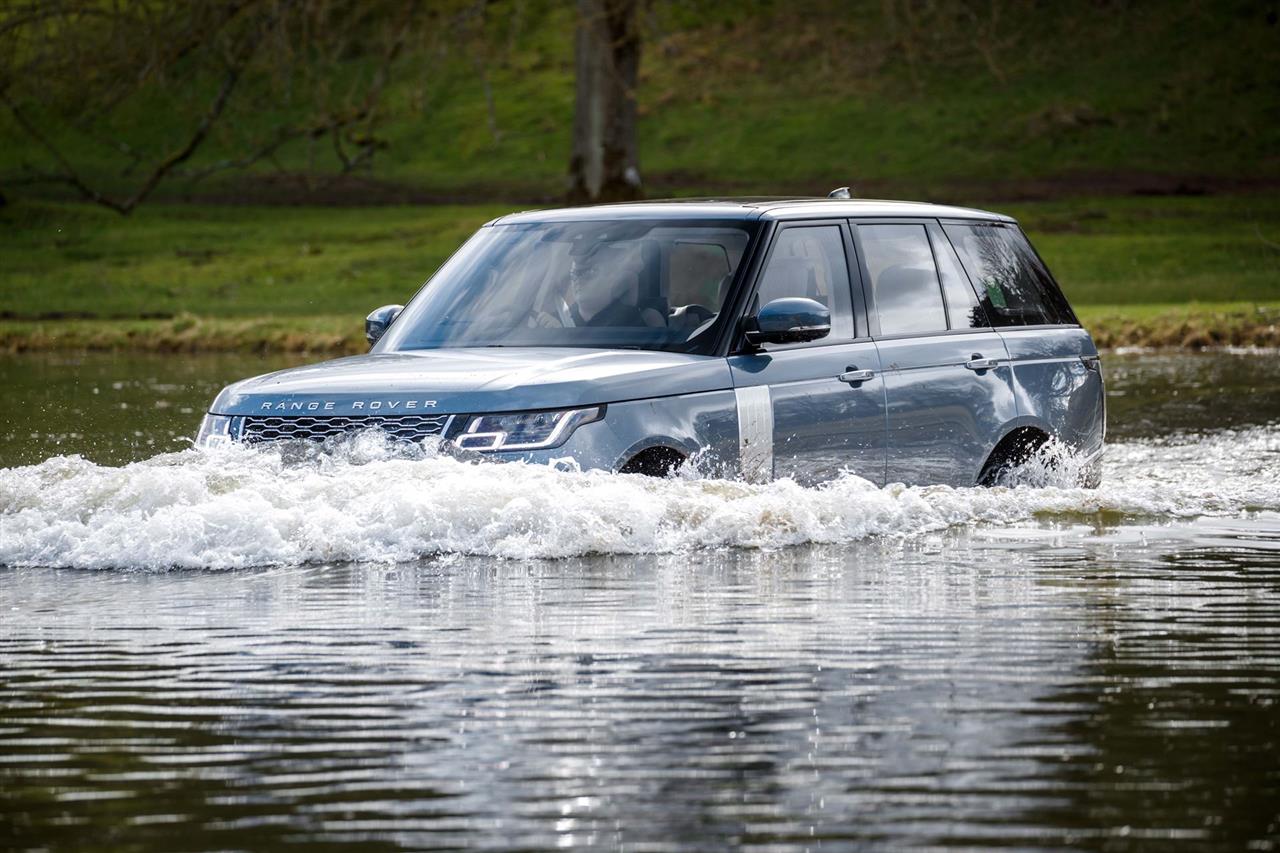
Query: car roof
(752,208)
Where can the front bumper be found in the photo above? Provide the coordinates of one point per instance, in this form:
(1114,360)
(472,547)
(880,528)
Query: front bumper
(702,424)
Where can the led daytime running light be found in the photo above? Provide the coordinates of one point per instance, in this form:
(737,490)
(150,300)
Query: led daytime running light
(524,430)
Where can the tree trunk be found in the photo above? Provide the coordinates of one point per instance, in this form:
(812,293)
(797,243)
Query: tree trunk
(605,164)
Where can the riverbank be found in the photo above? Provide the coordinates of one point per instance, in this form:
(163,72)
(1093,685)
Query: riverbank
(1167,271)
(1194,326)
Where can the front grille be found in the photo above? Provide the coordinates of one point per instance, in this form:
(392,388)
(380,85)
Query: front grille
(256,429)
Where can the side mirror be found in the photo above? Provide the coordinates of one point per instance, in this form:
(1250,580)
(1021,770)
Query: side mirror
(375,325)
(791,320)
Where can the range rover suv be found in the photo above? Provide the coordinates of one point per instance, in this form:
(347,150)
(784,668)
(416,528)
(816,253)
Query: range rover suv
(801,338)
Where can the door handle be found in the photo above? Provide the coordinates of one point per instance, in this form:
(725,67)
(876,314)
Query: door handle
(977,362)
(854,376)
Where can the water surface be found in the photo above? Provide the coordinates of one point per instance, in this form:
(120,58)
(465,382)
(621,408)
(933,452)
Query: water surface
(399,652)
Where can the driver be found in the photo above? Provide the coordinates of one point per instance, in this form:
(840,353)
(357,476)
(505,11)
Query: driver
(599,293)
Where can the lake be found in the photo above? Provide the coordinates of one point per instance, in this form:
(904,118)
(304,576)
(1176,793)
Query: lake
(256,650)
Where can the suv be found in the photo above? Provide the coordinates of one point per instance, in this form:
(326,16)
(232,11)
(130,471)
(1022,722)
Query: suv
(800,338)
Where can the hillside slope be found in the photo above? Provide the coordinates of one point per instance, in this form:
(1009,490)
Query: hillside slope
(955,101)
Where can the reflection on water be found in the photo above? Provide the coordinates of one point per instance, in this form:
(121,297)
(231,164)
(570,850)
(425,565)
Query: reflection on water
(1155,394)
(1027,668)
(952,690)
(112,408)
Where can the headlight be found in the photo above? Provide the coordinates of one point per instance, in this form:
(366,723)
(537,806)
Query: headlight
(525,430)
(215,431)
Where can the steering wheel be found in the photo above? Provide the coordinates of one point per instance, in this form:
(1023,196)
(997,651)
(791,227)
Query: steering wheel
(692,315)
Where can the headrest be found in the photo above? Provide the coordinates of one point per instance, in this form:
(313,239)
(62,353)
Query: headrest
(610,257)
(904,278)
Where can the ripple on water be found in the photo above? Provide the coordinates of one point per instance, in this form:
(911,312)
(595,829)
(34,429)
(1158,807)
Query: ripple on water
(923,692)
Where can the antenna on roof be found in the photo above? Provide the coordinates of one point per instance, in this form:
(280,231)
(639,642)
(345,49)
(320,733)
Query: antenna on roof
(840,192)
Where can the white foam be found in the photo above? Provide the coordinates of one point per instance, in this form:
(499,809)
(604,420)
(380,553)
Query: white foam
(240,507)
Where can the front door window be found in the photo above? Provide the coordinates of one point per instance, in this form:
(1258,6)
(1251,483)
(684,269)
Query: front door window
(810,262)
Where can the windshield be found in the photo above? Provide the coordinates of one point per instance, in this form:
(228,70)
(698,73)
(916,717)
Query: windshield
(609,284)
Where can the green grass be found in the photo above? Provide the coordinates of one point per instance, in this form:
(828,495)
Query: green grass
(74,259)
(300,278)
(1157,250)
(188,333)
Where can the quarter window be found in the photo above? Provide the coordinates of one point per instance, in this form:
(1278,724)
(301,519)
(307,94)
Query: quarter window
(1015,288)
(963,308)
(809,262)
(904,280)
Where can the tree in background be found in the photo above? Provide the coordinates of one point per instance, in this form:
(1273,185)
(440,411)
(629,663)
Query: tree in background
(605,162)
(80,76)
(116,98)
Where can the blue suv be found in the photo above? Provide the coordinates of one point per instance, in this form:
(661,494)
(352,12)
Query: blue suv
(800,338)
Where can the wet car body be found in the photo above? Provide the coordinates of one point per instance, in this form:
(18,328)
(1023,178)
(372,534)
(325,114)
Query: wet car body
(902,342)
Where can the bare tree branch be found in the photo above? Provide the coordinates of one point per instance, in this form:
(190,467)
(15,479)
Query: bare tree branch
(77,74)
(68,174)
(198,136)
(71,177)
(1257,229)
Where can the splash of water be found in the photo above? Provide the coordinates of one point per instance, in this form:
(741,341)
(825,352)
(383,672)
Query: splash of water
(243,507)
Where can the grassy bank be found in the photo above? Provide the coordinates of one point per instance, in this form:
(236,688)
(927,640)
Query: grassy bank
(1193,326)
(1142,271)
(324,334)
(77,261)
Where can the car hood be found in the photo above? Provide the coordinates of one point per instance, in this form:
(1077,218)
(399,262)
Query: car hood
(456,381)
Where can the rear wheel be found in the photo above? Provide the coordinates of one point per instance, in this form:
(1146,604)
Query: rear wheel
(1014,450)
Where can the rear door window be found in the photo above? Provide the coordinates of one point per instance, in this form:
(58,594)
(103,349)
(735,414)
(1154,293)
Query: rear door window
(904,280)
(1014,287)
